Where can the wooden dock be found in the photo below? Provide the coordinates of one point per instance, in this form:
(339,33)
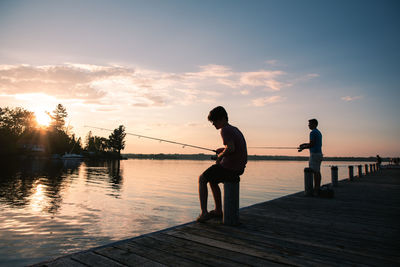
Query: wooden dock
(359,226)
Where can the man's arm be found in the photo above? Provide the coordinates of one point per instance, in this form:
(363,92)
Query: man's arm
(307,145)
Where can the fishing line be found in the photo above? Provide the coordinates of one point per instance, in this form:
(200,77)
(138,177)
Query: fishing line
(274,147)
(154,138)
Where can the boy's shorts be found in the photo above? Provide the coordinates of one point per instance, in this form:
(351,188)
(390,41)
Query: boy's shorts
(218,174)
(315,161)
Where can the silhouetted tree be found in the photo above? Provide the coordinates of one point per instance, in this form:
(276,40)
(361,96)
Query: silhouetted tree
(96,144)
(58,117)
(116,140)
(16,120)
(13,123)
(60,141)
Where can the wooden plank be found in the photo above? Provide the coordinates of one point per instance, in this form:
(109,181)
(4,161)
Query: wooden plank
(156,255)
(127,257)
(226,255)
(330,221)
(93,259)
(319,234)
(157,242)
(61,262)
(308,249)
(275,255)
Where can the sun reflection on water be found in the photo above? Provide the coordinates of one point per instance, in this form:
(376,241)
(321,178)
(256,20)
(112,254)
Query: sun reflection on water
(38,198)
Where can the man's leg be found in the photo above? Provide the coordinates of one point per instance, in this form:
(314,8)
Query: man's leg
(217,197)
(317,182)
(203,194)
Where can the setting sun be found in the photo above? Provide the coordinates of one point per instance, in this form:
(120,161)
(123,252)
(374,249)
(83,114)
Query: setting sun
(42,118)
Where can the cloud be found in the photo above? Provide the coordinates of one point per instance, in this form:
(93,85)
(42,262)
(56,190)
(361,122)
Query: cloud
(266,79)
(262,101)
(350,98)
(137,87)
(212,71)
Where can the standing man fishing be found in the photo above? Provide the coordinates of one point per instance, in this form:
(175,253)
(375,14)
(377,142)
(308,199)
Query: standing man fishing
(230,163)
(315,146)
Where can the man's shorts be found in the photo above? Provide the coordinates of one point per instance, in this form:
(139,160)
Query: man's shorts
(218,174)
(315,161)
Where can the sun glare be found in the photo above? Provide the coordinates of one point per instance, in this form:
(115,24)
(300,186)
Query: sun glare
(42,118)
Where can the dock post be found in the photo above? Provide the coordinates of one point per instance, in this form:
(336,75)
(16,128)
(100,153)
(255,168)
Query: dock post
(370,168)
(308,181)
(231,203)
(359,171)
(373,166)
(351,173)
(334,173)
(366,169)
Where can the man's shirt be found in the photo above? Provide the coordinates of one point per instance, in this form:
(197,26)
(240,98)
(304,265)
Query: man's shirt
(316,139)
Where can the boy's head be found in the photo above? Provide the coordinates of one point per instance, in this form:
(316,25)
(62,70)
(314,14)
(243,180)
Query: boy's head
(217,113)
(218,117)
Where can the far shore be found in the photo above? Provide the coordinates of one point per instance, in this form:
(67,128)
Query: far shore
(250,157)
(201,156)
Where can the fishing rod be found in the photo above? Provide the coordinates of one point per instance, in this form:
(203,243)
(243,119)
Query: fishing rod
(274,147)
(154,138)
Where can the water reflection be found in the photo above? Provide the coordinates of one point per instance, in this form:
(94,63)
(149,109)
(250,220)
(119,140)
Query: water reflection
(109,171)
(20,180)
(39,183)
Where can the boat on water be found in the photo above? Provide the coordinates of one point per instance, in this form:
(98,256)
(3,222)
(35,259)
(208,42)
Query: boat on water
(71,156)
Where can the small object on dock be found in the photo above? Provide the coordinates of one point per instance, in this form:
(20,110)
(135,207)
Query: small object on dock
(326,191)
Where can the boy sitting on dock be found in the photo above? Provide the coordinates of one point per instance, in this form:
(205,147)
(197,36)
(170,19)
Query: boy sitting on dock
(230,163)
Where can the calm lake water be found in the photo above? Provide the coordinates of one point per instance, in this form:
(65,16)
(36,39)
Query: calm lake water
(51,208)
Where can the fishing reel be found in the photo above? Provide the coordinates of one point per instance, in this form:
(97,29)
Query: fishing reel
(215,157)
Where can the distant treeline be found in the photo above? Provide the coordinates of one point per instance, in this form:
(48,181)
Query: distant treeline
(202,156)
(22,136)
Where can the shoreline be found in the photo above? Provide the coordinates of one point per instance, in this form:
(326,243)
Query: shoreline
(199,157)
(202,156)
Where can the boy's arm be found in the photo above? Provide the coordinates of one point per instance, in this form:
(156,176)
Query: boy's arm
(229,148)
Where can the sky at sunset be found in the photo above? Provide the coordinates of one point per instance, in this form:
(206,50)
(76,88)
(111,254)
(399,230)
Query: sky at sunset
(159,67)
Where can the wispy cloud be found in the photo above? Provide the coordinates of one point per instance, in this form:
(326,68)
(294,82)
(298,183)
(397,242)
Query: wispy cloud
(266,79)
(213,70)
(262,101)
(350,98)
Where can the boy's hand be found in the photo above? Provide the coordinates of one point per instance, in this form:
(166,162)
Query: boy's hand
(219,150)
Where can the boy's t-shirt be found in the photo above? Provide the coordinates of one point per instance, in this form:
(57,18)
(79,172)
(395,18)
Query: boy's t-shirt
(238,159)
